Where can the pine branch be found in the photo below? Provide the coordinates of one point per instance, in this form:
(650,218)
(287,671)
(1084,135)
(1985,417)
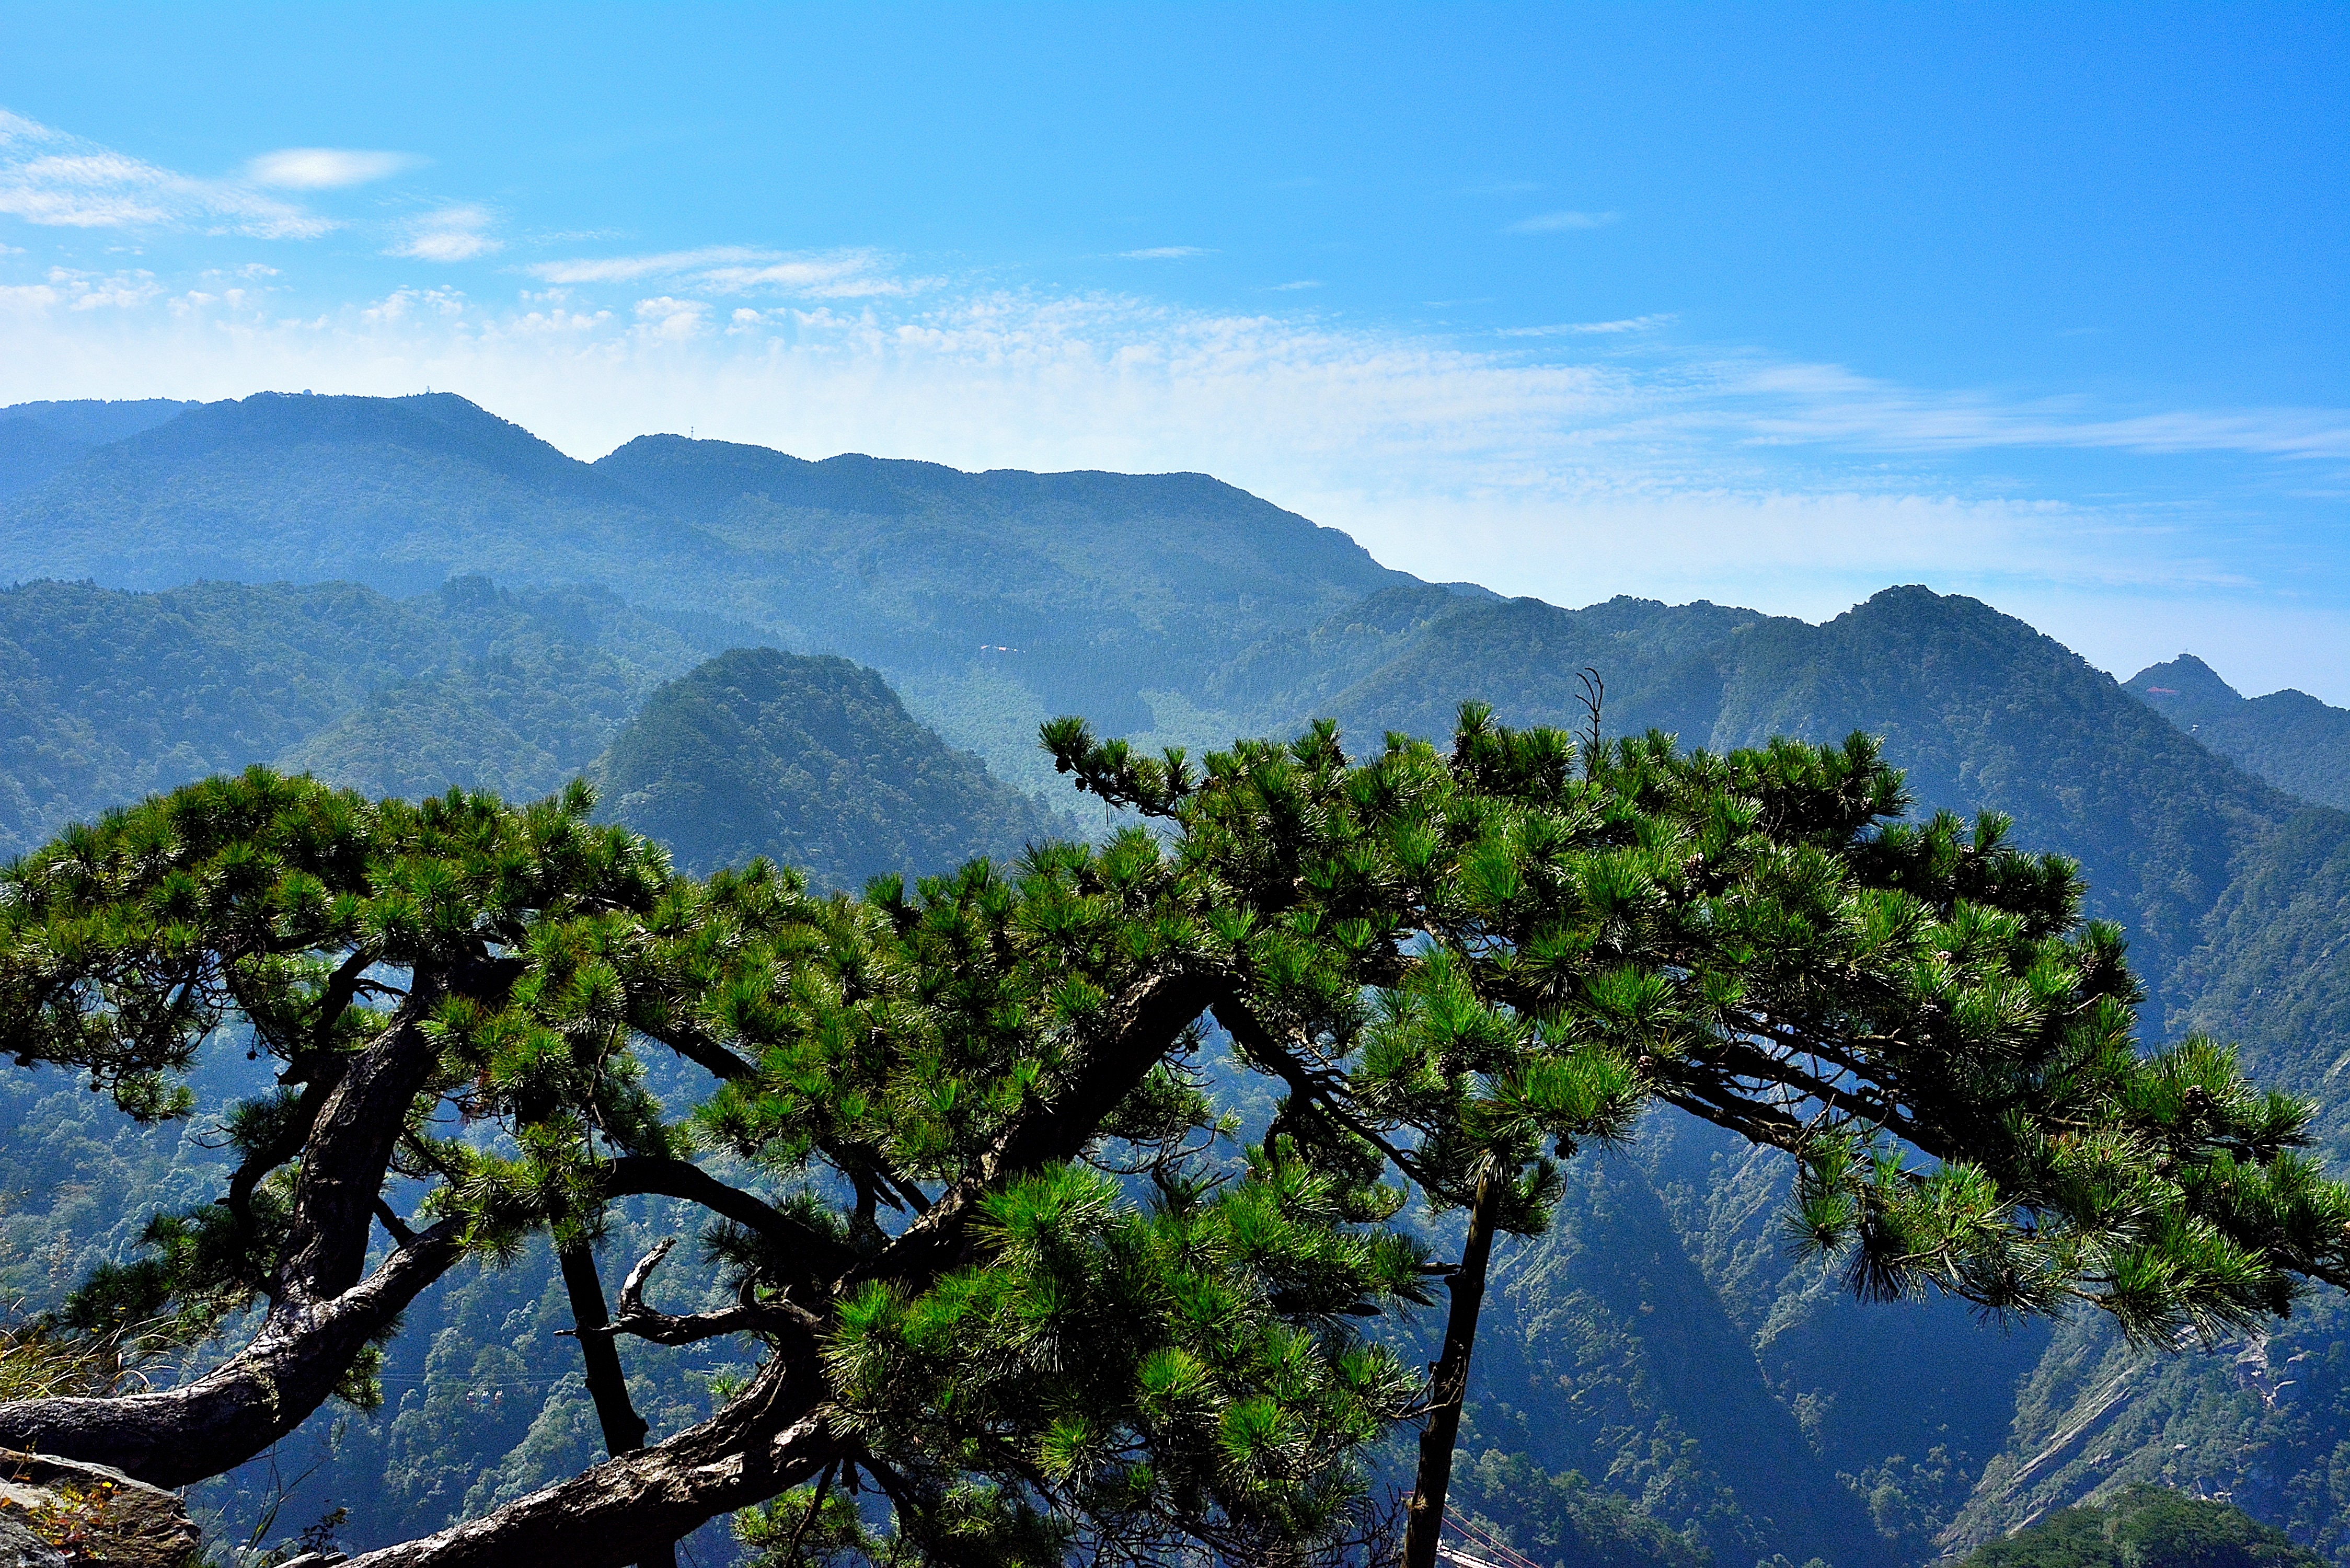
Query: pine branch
(824,1257)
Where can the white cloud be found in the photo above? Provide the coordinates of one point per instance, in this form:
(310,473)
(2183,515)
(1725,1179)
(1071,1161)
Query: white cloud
(1302,283)
(743,269)
(100,291)
(851,275)
(667,317)
(326,168)
(407,305)
(50,178)
(1165,253)
(450,245)
(1827,404)
(450,234)
(1589,329)
(1560,223)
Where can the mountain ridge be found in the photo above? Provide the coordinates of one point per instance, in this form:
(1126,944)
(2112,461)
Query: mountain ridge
(2292,739)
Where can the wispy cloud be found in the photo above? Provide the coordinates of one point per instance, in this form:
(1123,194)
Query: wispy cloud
(852,275)
(1302,283)
(1060,373)
(1829,405)
(327,168)
(51,178)
(1165,253)
(1589,329)
(628,269)
(74,290)
(742,269)
(1561,222)
(450,234)
(672,319)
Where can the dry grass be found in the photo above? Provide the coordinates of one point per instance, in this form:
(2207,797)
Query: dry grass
(39,1360)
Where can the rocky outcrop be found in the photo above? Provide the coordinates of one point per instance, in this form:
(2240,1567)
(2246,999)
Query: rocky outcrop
(59,1512)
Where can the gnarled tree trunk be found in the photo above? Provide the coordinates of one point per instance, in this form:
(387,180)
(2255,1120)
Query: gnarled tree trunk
(321,1314)
(772,1438)
(780,1432)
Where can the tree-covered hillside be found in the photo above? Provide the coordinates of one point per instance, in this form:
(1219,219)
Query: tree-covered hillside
(1074,590)
(111,695)
(2147,1527)
(1985,713)
(1089,587)
(1661,1351)
(106,696)
(2234,899)
(2290,738)
(810,762)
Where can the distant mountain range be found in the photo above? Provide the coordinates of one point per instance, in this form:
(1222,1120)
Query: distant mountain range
(1081,588)
(39,439)
(843,663)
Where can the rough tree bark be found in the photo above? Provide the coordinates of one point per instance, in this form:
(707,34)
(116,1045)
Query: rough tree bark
(608,1385)
(212,1423)
(771,1439)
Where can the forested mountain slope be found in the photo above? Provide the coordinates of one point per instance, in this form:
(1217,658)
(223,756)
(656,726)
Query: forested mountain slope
(811,762)
(395,493)
(1089,586)
(2238,902)
(1660,1353)
(1985,713)
(2147,1527)
(111,694)
(2290,738)
(106,696)
(1078,590)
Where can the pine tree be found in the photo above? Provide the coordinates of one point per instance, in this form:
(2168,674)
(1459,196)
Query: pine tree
(976,1225)
(1504,954)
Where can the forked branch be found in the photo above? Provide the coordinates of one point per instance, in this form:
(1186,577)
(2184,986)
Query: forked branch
(747,1316)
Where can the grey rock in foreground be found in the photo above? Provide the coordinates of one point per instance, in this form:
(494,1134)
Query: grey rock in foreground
(58,1512)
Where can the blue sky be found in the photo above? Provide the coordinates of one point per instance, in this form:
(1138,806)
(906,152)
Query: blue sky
(1768,305)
